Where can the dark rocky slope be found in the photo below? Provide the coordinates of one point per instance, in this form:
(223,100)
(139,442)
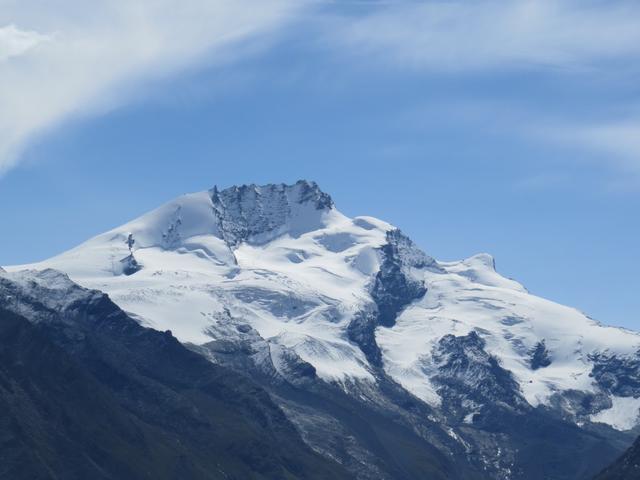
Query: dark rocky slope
(86,392)
(386,433)
(627,467)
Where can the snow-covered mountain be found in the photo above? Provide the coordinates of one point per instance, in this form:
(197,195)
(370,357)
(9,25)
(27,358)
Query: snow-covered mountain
(277,275)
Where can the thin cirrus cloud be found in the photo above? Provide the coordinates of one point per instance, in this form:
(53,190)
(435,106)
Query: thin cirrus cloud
(486,34)
(618,141)
(593,40)
(60,59)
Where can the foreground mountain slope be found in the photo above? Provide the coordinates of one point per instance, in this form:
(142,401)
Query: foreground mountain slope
(87,393)
(275,282)
(627,467)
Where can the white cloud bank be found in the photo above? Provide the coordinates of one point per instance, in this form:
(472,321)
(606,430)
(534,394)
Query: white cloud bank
(58,59)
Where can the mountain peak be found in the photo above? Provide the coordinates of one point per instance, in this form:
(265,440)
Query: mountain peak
(259,212)
(303,191)
(274,281)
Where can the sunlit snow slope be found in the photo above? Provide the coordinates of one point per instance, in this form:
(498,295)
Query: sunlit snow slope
(283,260)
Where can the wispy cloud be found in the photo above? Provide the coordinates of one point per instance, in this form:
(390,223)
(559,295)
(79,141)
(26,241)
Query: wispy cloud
(55,65)
(620,139)
(15,42)
(485,34)
(59,59)
(597,42)
(602,140)
(615,143)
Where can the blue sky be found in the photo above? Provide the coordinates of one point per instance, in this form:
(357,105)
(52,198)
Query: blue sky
(509,128)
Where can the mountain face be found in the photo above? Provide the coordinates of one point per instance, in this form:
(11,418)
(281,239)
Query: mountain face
(86,392)
(386,360)
(627,467)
